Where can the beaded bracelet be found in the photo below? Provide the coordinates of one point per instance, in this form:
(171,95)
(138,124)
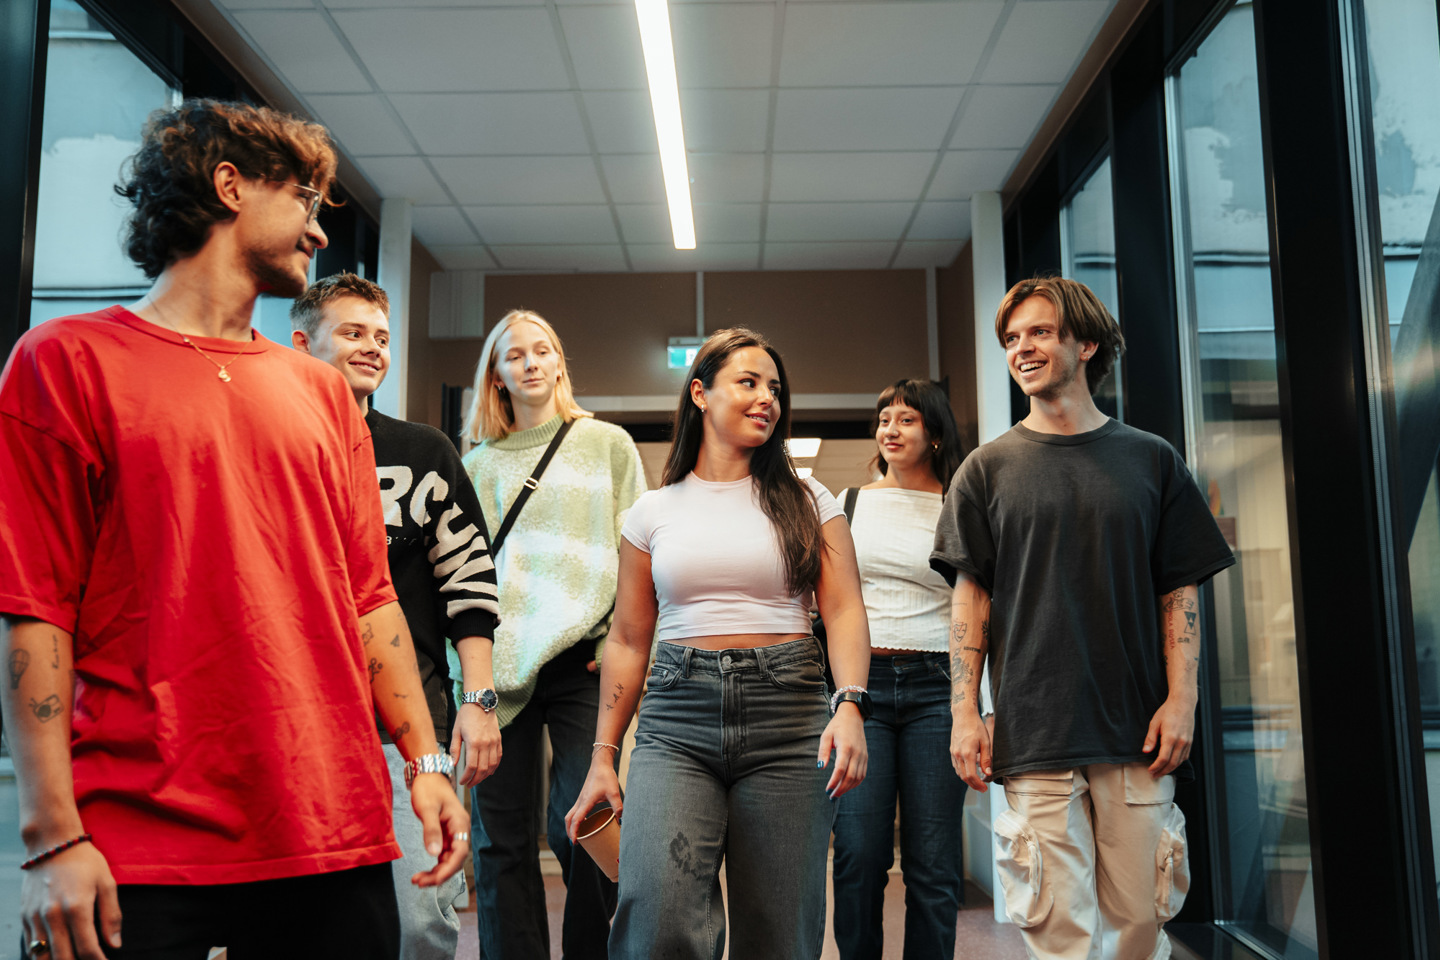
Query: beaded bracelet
(597,745)
(56,850)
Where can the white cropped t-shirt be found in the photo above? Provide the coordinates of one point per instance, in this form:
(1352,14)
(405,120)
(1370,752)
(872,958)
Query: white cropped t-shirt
(716,560)
(906,602)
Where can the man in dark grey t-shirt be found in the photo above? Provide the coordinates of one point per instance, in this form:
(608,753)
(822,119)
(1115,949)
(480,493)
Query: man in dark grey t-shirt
(1076,546)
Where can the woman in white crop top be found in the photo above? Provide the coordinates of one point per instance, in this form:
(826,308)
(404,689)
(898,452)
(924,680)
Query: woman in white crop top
(908,605)
(737,756)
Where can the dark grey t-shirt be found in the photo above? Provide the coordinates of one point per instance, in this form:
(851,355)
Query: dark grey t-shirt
(1076,538)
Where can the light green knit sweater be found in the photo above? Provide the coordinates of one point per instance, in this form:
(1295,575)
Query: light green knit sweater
(558,566)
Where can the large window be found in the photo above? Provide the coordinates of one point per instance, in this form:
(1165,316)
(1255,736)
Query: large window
(1264,890)
(1087,250)
(97,96)
(1403,49)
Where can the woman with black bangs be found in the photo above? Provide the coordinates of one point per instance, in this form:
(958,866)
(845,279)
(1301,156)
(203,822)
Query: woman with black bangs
(908,608)
(733,755)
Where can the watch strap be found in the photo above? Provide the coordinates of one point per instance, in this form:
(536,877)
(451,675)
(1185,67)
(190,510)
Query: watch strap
(428,763)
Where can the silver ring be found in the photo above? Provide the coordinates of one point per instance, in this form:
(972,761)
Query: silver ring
(462,836)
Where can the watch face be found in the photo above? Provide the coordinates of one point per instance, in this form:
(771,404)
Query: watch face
(488,700)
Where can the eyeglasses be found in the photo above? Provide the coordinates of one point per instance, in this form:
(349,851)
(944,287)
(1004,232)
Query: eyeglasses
(314,201)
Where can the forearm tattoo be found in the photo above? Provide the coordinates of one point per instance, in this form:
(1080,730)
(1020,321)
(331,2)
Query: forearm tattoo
(404,729)
(47,709)
(19,663)
(615,696)
(375,667)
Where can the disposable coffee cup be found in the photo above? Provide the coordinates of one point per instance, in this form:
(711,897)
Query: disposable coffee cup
(599,835)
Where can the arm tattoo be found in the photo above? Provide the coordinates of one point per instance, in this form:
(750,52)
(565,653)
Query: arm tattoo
(404,729)
(47,709)
(375,667)
(19,663)
(369,633)
(395,640)
(967,673)
(958,630)
(615,696)
(985,631)
(55,651)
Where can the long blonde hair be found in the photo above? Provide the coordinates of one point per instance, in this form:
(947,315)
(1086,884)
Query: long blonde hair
(492,415)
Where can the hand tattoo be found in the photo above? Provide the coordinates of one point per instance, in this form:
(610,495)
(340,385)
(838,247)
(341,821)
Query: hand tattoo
(47,709)
(375,667)
(19,663)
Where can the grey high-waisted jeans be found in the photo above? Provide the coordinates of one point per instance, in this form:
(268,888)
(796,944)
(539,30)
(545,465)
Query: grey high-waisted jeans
(724,768)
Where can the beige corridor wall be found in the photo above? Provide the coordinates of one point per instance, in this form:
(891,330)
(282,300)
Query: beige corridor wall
(845,332)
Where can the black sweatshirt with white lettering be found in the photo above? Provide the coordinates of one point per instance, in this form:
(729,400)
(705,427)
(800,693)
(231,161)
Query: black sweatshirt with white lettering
(439,551)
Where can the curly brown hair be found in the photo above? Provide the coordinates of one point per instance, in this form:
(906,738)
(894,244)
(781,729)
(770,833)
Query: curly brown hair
(170,180)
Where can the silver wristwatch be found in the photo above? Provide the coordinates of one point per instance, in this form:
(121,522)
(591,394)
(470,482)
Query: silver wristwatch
(428,763)
(485,699)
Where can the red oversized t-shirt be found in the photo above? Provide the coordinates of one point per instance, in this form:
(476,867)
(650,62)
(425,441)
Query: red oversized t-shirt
(211,545)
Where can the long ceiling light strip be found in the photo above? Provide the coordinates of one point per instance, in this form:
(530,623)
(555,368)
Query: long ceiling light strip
(654,18)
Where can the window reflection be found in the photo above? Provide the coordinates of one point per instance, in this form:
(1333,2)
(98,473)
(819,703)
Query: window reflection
(1404,72)
(97,96)
(1232,401)
(1087,237)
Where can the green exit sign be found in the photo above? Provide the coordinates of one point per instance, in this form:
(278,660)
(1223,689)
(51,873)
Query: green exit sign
(682,351)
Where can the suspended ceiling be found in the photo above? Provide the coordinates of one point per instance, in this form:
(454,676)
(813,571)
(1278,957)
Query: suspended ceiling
(820,135)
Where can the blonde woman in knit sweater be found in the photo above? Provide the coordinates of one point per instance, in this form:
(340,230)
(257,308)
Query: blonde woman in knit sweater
(557,571)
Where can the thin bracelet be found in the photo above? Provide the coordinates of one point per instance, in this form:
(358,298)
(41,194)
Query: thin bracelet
(56,850)
(597,745)
(835,700)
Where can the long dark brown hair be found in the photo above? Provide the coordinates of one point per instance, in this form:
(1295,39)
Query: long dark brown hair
(927,398)
(784,497)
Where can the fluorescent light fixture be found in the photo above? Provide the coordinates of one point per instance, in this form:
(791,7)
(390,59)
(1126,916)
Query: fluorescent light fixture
(803,448)
(654,18)
(803,472)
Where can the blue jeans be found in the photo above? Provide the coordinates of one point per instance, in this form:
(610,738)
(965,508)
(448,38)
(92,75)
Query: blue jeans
(429,926)
(908,738)
(509,891)
(724,769)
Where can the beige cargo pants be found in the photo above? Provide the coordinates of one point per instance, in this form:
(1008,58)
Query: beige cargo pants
(1092,861)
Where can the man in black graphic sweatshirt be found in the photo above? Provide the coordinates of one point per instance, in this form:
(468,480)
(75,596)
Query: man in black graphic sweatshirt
(440,563)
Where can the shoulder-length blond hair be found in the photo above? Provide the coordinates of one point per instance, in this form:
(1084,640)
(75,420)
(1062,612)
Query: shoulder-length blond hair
(491,415)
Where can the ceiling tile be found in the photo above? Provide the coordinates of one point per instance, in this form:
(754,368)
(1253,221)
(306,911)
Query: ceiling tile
(963,172)
(305,50)
(604,45)
(469,257)
(486,180)
(562,257)
(941,221)
(868,255)
(1043,39)
(928,253)
(428,50)
(621,121)
(441,227)
(725,121)
(722,44)
(848,176)
(493,123)
(726,177)
(999,117)
(644,223)
(368,4)
(361,124)
(634,178)
(267,4)
(836,221)
(661,258)
(544,224)
(863,44)
(893,118)
(405,178)
(719,223)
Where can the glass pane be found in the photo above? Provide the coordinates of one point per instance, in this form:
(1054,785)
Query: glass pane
(97,96)
(1403,42)
(1088,236)
(1265,868)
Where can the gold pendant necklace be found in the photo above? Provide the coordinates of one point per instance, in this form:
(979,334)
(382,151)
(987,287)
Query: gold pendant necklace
(222,374)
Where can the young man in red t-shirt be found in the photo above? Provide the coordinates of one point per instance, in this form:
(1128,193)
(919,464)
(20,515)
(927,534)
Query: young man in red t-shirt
(198,620)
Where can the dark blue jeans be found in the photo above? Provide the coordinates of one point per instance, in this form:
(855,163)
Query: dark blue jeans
(909,743)
(509,891)
(724,769)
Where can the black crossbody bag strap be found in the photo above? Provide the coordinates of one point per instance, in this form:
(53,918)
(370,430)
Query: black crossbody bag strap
(851,496)
(531,482)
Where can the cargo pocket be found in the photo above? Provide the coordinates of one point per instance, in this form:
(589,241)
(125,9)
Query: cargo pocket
(1017,855)
(1172,866)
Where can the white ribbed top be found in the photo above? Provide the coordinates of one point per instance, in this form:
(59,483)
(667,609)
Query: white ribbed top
(908,603)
